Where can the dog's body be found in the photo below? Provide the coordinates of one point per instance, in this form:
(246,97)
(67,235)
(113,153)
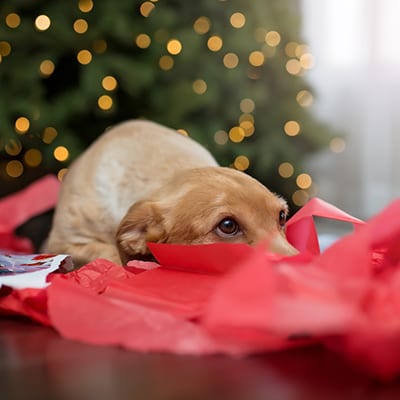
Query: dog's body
(142,182)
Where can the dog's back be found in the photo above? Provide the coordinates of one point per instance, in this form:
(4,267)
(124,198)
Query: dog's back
(121,167)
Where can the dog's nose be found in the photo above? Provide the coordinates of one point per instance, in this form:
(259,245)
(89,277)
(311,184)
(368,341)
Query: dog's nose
(280,245)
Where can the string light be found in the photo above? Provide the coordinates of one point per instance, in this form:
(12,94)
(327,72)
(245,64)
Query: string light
(61,153)
(14,168)
(293,66)
(99,46)
(286,170)
(84,57)
(290,49)
(22,125)
(241,163)
(247,105)
(300,197)
(49,134)
(202,25)
(80,26)
(215,43)
(300,50)
(272,38)
(183,132)
(237,20)
(246,117)
(109,83)
(105,102)
(337,145)
(5,48)
(221,137)
(231,60)
(61,174)
(256,58)
(13,20)
(85,6)
(248,128)
(304,181)
(307,61)
(42,22)
(46,68)
(292,128)
(304,98)
(166,63)
(174,47)
(143,41)
(236,134)
(33,158)
(199,86)
(146,8)
(13,147)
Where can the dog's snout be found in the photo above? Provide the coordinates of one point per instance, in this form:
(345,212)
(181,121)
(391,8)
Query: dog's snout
(280,245)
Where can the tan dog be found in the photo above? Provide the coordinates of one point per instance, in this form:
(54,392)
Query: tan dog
(141,182)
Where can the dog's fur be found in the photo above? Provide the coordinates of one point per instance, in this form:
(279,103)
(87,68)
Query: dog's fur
(141,182)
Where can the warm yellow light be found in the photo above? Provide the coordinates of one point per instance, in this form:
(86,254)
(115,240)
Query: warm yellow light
(49,134)
(231,60)
(307,61)
(13,20)
(241,163)
(85,5)
(80,26)
(292,128)
(286,170)
(300,197)
(256,58)
(247,105)
(109,83)
(220,137)
(304,181)
(301,49)
(42,22)
(5,48)
(143,41)
(84,57)
(14,169)
(174,47)
(214,43)
(293,66)
(199,86)
(202,25)
(248,128)
(166,63)
(304,98)
(99,46)
(272,38)
(337,145)
(246,117)
(61,174)
(13,147)
(237,20)
(290,49)
(146,8)
(22,125)
(61,153)
(46,68)
(33,158)
(236,134)
(183,132)
(105,102)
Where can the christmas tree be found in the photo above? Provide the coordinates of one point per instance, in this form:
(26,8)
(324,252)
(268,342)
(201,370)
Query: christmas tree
(228,73)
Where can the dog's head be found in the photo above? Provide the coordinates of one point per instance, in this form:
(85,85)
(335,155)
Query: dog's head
(205,205)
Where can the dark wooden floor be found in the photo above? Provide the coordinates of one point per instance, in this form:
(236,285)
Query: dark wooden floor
(35,363)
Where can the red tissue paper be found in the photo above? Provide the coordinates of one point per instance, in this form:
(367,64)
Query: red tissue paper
(238,300)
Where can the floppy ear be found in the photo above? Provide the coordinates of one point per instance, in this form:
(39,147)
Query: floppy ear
(142,223)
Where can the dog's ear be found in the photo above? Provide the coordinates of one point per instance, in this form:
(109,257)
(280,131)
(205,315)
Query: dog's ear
(142,223)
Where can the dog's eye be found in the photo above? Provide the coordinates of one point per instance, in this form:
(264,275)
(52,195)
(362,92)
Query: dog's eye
(227,227)
(282,218)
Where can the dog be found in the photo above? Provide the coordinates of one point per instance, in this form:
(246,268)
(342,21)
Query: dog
(141,182)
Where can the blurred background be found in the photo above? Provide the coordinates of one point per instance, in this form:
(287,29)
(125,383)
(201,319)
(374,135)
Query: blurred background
(301,94)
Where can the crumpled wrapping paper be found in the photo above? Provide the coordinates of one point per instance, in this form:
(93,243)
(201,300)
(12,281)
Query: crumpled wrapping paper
(239,300)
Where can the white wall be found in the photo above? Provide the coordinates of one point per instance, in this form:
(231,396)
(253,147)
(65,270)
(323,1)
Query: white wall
(356,44)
